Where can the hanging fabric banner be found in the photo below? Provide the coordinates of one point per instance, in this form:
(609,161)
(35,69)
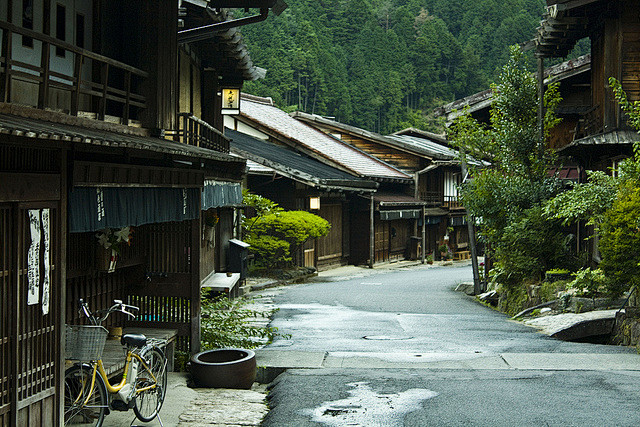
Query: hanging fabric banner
(33,258)
(97,208)
(46,283)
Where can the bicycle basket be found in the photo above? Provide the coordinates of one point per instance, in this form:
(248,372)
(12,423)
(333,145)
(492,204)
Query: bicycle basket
(84,342)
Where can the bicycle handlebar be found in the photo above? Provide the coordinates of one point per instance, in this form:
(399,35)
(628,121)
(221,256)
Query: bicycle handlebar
(98,317)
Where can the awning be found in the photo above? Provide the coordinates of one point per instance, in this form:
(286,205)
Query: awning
(97,208)
(218,194)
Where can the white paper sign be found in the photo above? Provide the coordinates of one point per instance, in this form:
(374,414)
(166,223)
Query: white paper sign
(33,258)
(46,283)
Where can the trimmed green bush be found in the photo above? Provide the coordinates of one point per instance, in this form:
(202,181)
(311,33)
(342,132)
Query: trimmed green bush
(620,241)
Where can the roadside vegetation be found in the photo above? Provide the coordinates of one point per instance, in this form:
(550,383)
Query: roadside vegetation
(527,219)
(275,234)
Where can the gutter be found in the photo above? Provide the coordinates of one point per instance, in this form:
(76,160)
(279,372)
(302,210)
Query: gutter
(209,31)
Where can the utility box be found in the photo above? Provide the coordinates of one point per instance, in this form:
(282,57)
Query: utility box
(237,261)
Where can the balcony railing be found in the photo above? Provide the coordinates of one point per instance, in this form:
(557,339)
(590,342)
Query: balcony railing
(436,198)
(452,202)
(590,123)
(433,198)
(197,132)
(67,83)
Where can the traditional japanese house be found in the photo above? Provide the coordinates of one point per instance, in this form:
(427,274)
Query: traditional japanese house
(601,135)
(89,96)
(376,235)
(435,169)
(297,181)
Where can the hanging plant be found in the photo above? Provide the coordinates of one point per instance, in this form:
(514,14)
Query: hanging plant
(115,239)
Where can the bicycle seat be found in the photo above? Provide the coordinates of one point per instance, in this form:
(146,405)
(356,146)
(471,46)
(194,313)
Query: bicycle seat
(134,340)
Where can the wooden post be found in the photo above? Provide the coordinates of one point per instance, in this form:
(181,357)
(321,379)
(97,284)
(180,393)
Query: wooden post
(424,233)
(75,94)
(102,104)
(372,233)
(195,284)
(5,84)
(61,269)
(477,289)
(43,92)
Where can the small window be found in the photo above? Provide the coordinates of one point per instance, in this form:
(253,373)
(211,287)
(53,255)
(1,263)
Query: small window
(80,31)
(27,21)
(61,27)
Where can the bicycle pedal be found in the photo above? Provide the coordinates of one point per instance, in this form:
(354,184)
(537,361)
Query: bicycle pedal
(119,405)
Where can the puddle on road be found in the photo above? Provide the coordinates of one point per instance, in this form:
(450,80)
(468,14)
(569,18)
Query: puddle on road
(365,407)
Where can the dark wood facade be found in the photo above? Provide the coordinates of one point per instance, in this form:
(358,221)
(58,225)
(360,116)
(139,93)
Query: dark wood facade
(96,107)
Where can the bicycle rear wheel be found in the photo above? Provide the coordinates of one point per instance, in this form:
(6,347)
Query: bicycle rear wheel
(149,402)
(77,387)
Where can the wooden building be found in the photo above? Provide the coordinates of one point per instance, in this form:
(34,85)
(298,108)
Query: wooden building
(371,238)
(601,136)
(98,132)
(436,173)
(297,181)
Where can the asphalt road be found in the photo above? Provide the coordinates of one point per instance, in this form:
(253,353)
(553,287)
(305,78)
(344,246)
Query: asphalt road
(385,339)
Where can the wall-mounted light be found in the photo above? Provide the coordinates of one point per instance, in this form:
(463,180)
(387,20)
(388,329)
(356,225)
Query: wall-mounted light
(230,100)
(314,203)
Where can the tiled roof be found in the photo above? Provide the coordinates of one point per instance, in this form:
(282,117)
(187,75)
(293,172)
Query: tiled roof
(318,142)
(36,129)
(293,164)
(427,147)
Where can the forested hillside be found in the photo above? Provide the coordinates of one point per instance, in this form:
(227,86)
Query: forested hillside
(383,64)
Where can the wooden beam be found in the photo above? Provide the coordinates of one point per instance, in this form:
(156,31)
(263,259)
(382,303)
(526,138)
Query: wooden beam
(21,187)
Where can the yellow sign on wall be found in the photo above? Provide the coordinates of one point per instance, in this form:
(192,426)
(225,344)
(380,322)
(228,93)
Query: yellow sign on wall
(230,101)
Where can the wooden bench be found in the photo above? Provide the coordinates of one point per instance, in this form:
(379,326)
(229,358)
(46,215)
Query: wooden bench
(222,282)
(113,356)
(460,255)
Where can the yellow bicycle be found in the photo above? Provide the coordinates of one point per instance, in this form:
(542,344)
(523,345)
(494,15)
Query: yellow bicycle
(88,395)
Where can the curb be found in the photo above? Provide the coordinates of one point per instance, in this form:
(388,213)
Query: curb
(276,283)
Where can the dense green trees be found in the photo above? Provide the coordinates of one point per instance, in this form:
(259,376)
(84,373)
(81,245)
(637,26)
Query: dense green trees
(380,64)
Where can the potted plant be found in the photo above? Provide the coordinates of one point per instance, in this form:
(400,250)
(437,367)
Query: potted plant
(208,233)
(111,241)
(430,258)
(444,251)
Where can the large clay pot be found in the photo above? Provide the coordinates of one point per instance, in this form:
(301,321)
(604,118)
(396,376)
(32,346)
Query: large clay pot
(227,368)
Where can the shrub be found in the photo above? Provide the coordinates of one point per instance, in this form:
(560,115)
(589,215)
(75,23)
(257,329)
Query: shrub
(589,282)
(620,241)
(227,323)
(275,233)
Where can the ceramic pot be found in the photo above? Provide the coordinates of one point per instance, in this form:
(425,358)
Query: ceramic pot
(226,368)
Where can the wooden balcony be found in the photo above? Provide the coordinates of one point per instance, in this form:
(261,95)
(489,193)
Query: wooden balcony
(197,132)
(433,198)
(590,123)
(437,198)
(55,75)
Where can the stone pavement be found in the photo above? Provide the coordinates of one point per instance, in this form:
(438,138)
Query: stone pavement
(196,407)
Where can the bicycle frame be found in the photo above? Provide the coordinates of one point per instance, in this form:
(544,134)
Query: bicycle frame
(98,368)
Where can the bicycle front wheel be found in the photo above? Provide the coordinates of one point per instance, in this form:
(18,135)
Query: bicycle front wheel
(148,402)
(83,405)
